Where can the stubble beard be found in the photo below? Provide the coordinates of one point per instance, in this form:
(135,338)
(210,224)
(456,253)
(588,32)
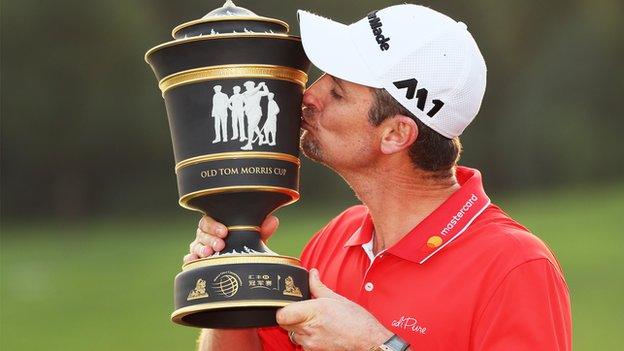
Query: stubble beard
(310,147)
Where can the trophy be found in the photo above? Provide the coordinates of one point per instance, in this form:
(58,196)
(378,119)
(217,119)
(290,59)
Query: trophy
(233,83)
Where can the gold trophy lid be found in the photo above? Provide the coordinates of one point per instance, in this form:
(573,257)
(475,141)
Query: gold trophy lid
(229,19)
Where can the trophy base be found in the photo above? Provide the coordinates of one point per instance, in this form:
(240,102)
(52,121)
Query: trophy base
(230,318)
(237,290)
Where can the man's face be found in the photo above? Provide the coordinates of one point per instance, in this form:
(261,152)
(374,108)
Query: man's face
(337,132)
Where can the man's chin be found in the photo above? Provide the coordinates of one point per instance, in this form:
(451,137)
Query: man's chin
(311,156)
(310,148)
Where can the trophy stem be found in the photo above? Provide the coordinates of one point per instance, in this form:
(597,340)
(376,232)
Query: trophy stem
(246,241)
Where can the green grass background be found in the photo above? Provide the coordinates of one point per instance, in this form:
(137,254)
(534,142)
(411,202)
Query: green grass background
(107,285)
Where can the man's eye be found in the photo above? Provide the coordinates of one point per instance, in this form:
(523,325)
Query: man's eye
(335,94)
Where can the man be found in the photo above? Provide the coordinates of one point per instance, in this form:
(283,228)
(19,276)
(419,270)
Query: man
(235,104)
(270,126)
(427,262)
(220,114)
(253,110)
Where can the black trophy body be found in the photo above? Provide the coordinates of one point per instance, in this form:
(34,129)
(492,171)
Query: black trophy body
(233,84)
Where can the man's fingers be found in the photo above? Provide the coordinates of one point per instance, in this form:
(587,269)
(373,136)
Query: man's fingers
(189,257)
(208,239)
(269,226)
(210,235)
(201,250)
(215,243)
(209,226)
(294,314)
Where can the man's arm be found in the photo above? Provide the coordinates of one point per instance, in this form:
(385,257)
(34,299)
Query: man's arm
(256,89)
(229,339)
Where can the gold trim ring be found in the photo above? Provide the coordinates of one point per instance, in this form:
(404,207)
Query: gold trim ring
(254,228)
(242,259)
(238,189)
(237,155)
(202,74)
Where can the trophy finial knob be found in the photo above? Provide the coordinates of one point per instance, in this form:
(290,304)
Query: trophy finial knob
(229,19)
(230,9)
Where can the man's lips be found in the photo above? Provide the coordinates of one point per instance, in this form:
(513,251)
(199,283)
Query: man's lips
(306,125)
(309,119)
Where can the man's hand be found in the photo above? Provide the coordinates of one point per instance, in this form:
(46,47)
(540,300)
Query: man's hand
(330,322)
(210,235)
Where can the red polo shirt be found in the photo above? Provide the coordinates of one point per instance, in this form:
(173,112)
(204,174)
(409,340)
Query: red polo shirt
(466,278)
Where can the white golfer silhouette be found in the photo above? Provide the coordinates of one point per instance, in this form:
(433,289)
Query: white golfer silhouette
(251,98)
(220,114)
(270,126)
(245,104)
(238,114)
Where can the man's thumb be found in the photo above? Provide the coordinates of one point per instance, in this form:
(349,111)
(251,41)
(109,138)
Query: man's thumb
(317,288)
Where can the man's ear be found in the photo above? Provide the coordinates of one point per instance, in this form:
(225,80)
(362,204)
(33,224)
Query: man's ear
(397,134)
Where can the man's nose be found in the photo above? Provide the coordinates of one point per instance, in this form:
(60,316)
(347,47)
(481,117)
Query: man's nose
(309,100)
(312,96)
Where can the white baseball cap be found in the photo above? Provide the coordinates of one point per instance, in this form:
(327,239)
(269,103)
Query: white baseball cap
(426,60)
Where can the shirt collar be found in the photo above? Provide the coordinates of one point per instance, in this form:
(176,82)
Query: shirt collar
(442,226)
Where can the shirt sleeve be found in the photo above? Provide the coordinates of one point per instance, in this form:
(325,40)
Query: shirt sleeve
(530,310)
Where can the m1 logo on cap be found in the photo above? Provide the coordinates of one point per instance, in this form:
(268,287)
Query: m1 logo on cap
(375,24)
(421,95)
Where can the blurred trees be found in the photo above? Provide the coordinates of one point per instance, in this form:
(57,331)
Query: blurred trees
(84,129)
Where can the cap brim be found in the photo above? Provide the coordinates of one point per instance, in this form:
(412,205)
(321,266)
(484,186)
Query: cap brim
(329,47)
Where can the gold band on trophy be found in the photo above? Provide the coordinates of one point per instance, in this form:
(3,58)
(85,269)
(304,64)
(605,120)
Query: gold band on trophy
(226,260)
(293,194)
(202,74)
(253,228)
(237,155)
